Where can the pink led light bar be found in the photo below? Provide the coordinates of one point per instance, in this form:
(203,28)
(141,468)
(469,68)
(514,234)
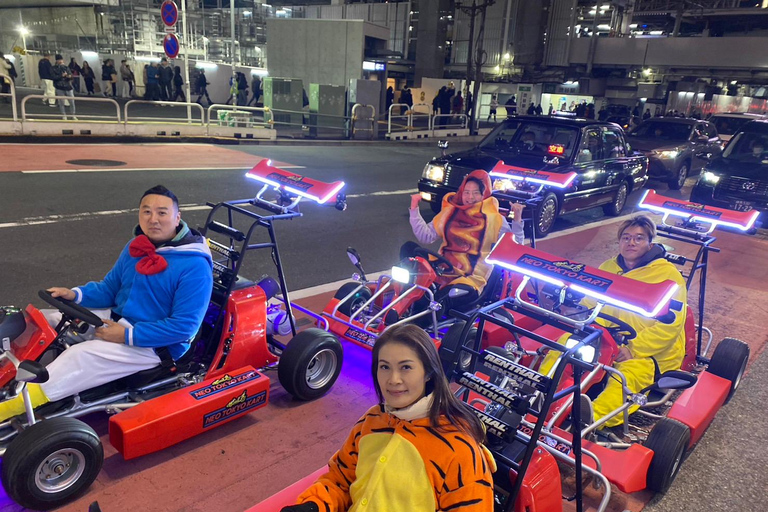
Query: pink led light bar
(554,179)
(309,188)
(646,299)
(698,212)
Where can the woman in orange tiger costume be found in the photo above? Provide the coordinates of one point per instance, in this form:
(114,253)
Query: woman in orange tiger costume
(469,224)
(419,450)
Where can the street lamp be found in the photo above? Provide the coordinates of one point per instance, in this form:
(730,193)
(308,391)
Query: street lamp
(24,31)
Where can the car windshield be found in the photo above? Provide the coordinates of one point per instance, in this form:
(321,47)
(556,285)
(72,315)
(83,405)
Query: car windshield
(728,125)
(748,147)
(532,138)
(659,130)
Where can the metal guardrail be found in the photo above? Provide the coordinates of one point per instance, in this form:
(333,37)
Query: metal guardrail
(12,95)
(180,120)
(450,121)
(24,101)
(235,110)
(413,117)
(372,119)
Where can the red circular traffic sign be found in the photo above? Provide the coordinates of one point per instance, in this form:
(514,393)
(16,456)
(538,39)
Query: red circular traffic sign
(171,45)
(169,13)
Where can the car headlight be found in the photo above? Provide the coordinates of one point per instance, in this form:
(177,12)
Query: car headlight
(434,172)
(503,184)
(669,155)
(709,178)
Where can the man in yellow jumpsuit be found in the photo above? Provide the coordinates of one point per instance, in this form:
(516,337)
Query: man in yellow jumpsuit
(656,343)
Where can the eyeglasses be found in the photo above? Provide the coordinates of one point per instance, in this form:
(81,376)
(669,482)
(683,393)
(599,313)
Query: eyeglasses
(638,239)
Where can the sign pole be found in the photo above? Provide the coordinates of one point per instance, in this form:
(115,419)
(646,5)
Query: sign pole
(234,60)
(185,43)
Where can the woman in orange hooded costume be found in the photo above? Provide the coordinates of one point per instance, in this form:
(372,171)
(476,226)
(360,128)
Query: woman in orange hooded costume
(469,224)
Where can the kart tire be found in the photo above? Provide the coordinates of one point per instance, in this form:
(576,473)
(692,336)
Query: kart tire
(729,362)
(357,300)
(310,364)
(545,215)
(64,444)
(678,181)
(449,349)
(669,441)
(616,206)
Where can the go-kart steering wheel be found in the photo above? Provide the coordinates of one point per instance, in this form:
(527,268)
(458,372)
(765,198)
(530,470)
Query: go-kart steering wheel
(71,309)
(621,327)
(439,260)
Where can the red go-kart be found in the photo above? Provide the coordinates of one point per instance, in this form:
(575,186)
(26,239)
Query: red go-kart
(50,457)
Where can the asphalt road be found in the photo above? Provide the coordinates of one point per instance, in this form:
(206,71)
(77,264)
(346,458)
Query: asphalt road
(85,241)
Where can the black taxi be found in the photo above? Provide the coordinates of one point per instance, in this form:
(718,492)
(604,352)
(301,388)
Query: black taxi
(607,170)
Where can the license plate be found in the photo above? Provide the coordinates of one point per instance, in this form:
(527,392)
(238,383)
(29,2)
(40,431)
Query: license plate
(742,206)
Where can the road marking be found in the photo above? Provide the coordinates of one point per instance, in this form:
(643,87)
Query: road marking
(131,169)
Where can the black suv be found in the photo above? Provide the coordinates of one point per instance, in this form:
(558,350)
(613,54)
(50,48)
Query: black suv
(607,171)
(738,180)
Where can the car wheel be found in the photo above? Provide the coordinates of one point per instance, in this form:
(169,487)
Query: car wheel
(669,441)
(545,215)
(679,180)
(310,364)
(729,362)
(619,201)
(450,356)
(51,463)
(356,301)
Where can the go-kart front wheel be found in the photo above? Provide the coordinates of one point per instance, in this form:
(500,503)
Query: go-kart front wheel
(310,364)
(51,463)
(669,442)
(729,362)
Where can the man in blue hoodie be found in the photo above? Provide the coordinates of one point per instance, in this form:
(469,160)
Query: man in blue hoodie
(152,303)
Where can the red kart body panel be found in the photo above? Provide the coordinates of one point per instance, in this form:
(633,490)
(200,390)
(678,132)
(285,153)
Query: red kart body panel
(699,212)
(171,418)
(288,495)
(698,405)
(309,188)
(541,490)
(243,334)
(30,345)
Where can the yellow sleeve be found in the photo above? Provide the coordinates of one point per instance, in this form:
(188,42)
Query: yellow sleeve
(657,337)
(331,491)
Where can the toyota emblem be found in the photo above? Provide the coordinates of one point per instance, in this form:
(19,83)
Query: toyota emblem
(749,185)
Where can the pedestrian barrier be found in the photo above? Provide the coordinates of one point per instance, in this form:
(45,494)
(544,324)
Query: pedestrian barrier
(57,116)
(404,125)
(424,125)
(371,120)
(164,120)
(12,96)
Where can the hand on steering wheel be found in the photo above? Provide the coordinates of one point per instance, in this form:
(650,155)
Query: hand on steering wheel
(440,263)
(70,309)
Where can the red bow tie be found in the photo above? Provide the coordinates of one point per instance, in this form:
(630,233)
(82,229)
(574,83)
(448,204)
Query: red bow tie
(151,263)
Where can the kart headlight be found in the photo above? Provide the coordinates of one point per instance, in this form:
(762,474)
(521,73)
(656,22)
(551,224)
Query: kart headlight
(585,353)
(668,155)
(401,275)
(709,178)
(434,172)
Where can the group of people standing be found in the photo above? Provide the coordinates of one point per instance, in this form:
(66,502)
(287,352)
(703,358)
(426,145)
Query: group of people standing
(163,82)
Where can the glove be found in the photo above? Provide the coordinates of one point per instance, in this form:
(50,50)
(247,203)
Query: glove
(304,507)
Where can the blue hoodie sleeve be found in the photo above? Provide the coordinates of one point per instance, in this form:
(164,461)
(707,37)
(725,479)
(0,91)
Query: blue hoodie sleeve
(102,294)
(190,302)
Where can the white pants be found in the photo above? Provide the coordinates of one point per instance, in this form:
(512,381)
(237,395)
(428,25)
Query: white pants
(48,91)
(93,362)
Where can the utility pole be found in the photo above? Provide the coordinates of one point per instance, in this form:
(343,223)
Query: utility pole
(475,73)
(234,59)
(185,44)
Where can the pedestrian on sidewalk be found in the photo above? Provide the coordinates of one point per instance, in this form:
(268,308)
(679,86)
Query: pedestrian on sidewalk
(511,106)
(45,68)
(202,87)
(109,77)
(88,77)
(242,89)
(494,106)
(165,79)
(62,81)
(255,90)
(75,71)
(178,84)
(153,88)
(125,75)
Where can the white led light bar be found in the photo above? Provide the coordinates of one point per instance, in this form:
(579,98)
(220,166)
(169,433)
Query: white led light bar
(696,212)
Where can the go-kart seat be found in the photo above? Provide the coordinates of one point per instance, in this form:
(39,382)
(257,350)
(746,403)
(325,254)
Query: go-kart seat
(144,377)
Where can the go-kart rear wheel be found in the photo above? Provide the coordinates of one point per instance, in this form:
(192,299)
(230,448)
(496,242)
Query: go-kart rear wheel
(669,442)
(310,364)
(356,301)
(51,463)
(729,362)
(449,348)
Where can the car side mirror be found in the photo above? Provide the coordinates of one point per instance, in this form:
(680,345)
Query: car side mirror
(353,256)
